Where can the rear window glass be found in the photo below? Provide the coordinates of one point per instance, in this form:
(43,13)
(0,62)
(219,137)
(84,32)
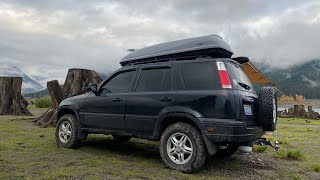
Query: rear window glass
(154,80)
(200,76)
(237,76)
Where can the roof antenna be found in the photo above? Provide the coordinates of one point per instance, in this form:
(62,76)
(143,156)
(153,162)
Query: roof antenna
(131,50)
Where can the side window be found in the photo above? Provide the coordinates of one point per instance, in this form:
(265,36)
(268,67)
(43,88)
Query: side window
(200,76)
(154,80)
(118,84)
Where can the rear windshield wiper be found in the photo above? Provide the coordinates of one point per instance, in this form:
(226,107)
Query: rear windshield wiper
(245,86)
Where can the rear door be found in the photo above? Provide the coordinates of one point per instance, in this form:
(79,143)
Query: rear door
(245,95)
(153,93)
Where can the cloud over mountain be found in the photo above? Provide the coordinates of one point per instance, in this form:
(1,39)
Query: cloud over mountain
(45,38)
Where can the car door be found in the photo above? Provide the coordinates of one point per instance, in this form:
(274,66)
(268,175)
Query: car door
(105,109)
(153,93)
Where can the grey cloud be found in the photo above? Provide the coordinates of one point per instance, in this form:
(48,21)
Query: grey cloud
(48,37)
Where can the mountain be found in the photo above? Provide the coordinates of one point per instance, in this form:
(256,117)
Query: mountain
(301,79)
(29,85)
(45,92)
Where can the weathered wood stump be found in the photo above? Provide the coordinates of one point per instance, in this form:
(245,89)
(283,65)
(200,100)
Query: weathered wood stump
(299,111)
(57,96)
(313,114)
(11,100)
(76,83)
(78,80)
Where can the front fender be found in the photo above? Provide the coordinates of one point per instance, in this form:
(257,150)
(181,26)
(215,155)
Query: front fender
(62,110)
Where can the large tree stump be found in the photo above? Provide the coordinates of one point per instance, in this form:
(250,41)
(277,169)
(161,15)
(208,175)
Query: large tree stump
(299,111)
(57,96)
(78,80)
(11,100)
(76,83)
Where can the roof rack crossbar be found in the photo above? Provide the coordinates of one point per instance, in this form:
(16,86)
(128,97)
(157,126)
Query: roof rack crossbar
(167,59)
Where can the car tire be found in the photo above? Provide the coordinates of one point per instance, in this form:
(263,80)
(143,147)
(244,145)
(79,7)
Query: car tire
(66,132)
(267,114)
(121,138)
(227,151)
(182,148)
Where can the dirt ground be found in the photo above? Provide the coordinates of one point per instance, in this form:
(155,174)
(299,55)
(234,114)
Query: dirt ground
(29,152)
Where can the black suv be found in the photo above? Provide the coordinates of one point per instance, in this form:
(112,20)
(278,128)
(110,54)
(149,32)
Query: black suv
(189,94)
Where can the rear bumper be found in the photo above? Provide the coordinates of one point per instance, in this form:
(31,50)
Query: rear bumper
(227,130)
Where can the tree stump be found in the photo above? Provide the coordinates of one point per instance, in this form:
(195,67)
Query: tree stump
(11,100)
(78,80)
(57,96)
(76,83)
(299,111)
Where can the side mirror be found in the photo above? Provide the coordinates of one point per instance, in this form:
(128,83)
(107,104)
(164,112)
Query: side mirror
(93,87)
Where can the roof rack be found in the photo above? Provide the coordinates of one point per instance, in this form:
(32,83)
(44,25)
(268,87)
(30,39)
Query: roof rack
(167,59)
(212,46)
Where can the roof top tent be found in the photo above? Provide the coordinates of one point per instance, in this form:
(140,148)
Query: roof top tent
(212,45)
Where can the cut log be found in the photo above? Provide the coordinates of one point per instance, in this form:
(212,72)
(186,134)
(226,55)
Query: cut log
(78,80)
(313,114)
(57,96)
(76,83)
(11,100)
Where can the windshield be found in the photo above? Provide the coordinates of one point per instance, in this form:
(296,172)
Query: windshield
(238,78)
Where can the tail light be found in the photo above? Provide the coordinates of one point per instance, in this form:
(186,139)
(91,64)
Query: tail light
(224,76)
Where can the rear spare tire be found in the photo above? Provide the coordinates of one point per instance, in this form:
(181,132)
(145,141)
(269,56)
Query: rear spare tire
(267,113)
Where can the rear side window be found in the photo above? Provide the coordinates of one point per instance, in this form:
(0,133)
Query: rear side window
(238,76)
(154,80)
(200,76)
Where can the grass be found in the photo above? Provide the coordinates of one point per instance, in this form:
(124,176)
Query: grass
(295,176)
(291,154)
(299,121)
(259,149)
(43,102)
(30,152)
(315,167)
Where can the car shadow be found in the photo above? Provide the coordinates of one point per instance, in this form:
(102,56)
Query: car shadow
(135,147)
(143,149)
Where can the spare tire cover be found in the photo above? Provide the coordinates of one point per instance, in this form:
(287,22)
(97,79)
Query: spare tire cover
(267,113)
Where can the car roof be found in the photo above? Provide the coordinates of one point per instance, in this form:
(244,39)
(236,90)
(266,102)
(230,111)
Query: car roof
(211,45)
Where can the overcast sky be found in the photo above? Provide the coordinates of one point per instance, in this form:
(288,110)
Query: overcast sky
(45,38)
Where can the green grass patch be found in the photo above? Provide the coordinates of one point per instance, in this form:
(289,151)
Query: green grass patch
(43,102)
(315,167)
(291,154)
(259,149)
(300,121)
(30,152)
(295,176)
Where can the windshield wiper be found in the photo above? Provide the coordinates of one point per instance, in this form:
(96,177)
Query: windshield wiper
(245,86)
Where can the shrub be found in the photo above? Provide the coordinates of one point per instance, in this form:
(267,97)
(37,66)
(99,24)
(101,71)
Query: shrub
(315,167)
(43,102)
(295,155)
(259,149)
(289,154)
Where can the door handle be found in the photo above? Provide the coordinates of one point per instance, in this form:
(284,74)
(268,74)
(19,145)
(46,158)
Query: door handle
(166,99)
(117,100)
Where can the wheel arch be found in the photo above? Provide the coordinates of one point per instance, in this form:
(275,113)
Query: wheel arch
(172,118)
(63,110)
